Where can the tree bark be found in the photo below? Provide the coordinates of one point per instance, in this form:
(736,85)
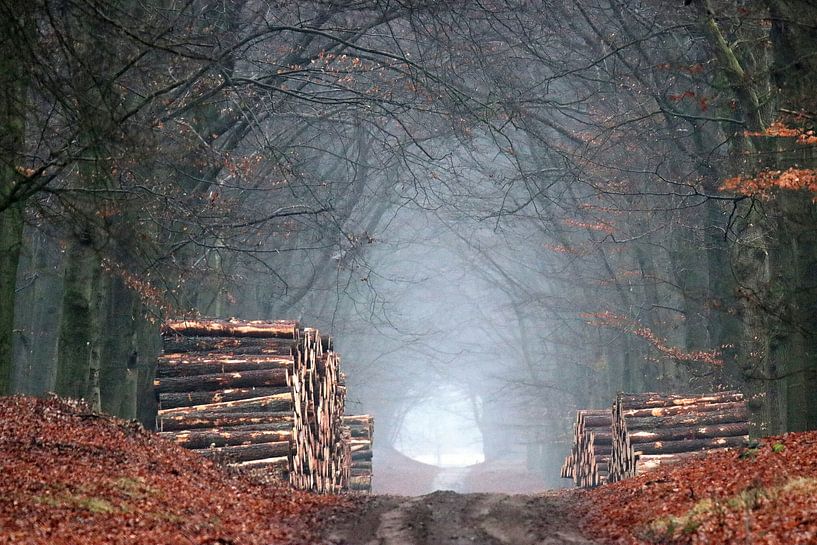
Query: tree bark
(13,105)
(201,420)
(690,432)
(691,419)
(651,399)
(283,329)
(199,439)
(74,345)
(186,399)
(11,238)
(683,409)
(187,365)
(243,453)
(242,379)
(273,403)
(175,344)
(671,447)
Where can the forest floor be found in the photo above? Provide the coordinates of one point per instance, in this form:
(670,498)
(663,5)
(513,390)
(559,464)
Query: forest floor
(68,476)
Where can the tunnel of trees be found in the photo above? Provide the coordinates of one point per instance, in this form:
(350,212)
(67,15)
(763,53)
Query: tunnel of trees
(536,203)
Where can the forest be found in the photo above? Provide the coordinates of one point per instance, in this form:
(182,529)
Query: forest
(523,206)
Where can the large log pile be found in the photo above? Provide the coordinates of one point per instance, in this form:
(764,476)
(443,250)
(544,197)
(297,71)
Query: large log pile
(361,430)
(262,396)
(647,430)
(652,429)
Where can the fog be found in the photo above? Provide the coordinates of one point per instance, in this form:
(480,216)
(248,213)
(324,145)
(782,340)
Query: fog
(435,350)
(442,430)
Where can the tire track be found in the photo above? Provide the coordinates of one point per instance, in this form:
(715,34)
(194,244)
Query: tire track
(448,518)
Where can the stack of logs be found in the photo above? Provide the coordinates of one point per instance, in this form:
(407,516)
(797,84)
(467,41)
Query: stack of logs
(646,430)
(587,464)
(361,428)
(261,396)
(321,460)
(654,429)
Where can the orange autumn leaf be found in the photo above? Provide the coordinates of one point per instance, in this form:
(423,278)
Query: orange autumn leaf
(622,323)
(780,130)
(791,179)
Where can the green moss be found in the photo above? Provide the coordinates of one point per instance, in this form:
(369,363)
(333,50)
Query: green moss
(800,485)
(95,505)
(76,501)
(667,529)
(133,487)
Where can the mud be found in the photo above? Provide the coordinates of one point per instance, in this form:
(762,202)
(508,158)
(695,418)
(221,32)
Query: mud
(459,519)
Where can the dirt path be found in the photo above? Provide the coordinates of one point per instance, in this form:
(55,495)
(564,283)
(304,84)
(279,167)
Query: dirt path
(459,519)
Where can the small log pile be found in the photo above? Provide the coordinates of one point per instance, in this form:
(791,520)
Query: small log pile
(644,431)
(653,429)
(587,464)
(361,430)
(266,397)
(320,460)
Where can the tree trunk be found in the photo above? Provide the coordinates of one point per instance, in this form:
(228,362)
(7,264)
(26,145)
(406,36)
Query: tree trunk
(36,342)
(13,104)
(74,345)
(99,300)
(11,238)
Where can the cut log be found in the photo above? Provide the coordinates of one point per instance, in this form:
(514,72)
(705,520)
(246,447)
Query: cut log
(602,436)
(361,455)
(689,419)
(177,344)
(362,420)
(220,381)
(567,468)
(652,399)
(173,400)
(360,483)
(221,437)
(243,453)
(691,432)
(187,365)
(202,420)
(597,418)
(672,447)
(284,329)
(683,409)
(280,463)
(266,404)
